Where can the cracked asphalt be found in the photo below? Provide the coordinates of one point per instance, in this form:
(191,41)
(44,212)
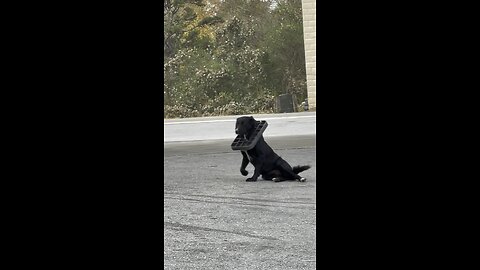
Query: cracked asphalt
(214,219)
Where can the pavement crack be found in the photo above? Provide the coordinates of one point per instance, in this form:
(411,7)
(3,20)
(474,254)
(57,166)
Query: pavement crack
(197,228)
(239,198)
(236,203)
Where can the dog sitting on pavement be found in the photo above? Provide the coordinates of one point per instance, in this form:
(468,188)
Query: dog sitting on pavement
(266,162)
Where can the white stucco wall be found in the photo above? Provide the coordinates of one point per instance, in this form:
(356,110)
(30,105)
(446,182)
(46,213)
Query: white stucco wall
(309,8)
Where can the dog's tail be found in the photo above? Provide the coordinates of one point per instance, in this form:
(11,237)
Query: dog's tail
(298,169)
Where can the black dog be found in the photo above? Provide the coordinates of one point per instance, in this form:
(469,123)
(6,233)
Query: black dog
(266,162)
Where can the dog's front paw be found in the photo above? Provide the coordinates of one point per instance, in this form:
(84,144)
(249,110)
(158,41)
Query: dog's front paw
(251,179)
(244,172)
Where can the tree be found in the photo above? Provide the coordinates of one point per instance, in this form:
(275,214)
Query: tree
(186,25)
(185,21)
(285,47)
(231,56)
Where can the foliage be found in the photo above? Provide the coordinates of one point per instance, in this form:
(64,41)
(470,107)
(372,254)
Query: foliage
(231,56)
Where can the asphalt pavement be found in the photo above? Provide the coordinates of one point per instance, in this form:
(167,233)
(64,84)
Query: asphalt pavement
(214,219)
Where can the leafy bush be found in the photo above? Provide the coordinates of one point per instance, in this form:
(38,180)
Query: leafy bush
(224,61)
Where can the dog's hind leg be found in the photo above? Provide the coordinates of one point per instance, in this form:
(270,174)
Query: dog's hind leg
(266,176)
(276,176)
(271,175)
(287,172)
(293,176)
(279,179)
